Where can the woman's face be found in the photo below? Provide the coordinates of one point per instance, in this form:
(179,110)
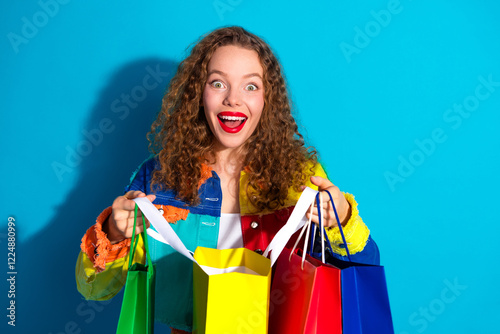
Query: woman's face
(233,97)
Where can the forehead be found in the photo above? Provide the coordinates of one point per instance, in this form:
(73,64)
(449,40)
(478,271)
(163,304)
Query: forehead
(235,60)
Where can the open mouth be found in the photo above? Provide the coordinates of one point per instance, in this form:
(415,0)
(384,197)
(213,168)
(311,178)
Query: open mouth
(232,122)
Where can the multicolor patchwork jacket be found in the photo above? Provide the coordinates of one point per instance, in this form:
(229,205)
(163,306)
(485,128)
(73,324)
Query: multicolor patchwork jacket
(101,267)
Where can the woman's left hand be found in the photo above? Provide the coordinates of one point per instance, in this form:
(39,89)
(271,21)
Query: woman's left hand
(328,215)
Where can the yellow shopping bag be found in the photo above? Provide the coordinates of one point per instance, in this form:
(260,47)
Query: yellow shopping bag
(231,291)
(231,287)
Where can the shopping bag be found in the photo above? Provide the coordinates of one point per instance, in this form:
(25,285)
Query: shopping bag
(137,312)
(365,300)
(230,287)
(231,291)
(305,294)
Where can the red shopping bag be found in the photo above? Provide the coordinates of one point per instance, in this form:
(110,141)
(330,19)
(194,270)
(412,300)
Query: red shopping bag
(305,296)
(311,300)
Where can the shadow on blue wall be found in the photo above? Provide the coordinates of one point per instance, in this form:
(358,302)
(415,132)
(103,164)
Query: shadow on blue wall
(115,145)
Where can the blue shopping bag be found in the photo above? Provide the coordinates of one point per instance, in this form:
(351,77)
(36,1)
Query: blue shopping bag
(365,300)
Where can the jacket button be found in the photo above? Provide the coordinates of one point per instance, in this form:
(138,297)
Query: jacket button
(258,251)
(254,225)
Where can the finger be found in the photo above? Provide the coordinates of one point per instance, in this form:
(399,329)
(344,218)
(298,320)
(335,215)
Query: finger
(325,214)
(131,216)
(140,215)
(326,221)
(134,194)
(317,204)
(333,191)
(314,217)
(327,210)
(128,203)
(321,182)
(139,223)
(137,228)
(326,205)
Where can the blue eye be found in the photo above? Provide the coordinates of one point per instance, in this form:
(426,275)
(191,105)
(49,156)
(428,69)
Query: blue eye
(251,87)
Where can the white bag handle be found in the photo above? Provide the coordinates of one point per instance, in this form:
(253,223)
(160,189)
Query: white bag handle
(162,226)
(306,228)
(167,235)
(295,222)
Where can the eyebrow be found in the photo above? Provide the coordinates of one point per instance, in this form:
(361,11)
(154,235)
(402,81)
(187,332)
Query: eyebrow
(249,75)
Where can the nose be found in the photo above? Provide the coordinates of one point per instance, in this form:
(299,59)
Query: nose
(232,98)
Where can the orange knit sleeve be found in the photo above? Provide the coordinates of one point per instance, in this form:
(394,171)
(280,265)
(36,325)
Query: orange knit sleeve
(96,245)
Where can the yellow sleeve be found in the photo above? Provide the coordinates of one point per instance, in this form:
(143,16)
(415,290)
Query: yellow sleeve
(105,284)
(355,231)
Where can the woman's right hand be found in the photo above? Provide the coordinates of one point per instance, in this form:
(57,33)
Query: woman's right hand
(120,223)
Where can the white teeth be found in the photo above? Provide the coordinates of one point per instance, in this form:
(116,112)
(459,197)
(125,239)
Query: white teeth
(233,118)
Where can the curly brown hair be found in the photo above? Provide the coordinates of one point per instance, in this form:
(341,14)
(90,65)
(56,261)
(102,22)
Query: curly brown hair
(274,160)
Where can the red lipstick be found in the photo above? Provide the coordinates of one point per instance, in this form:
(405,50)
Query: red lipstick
(232,122)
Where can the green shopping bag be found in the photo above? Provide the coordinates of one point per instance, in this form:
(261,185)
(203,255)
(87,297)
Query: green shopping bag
(137,313)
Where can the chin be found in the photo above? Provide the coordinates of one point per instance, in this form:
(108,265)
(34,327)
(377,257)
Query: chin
(227,143)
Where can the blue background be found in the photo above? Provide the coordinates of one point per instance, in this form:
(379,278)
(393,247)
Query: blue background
(374,84)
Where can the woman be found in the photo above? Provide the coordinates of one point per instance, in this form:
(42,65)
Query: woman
(228,168)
